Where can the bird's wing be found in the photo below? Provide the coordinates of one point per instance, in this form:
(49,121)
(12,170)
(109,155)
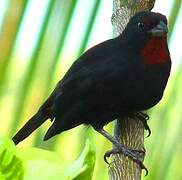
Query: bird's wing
(95,75)
(94,67)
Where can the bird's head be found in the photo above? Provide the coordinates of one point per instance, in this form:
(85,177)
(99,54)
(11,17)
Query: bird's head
(147,32)
(145,25)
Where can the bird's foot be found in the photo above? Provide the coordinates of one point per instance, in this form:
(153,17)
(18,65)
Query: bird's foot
(135,155)
(143,117)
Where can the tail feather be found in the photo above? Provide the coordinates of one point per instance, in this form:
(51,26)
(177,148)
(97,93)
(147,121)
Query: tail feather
(51,132)
(37,120)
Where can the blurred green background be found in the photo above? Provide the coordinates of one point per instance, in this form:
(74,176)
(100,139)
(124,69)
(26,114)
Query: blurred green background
(40,39)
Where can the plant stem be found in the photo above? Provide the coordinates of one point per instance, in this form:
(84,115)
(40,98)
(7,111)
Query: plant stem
(129,131)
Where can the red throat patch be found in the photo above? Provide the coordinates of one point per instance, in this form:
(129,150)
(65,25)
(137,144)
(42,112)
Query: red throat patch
(155,51)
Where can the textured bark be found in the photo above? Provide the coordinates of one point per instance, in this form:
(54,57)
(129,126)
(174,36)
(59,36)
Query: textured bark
(129,131)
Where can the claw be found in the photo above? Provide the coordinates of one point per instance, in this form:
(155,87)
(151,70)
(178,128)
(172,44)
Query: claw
(108,154)
(143,117)
(142,166)
(105,157)
(149,130)
(133,154)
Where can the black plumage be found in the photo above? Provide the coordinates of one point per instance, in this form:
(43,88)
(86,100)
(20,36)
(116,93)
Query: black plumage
(112,79)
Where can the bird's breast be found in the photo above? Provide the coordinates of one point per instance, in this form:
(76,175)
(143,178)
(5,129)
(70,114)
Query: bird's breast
(144,87)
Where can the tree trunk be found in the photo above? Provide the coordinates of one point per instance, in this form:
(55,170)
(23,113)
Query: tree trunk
(129,131)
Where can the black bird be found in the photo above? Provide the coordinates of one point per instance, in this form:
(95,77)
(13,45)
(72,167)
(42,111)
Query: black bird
(111,80)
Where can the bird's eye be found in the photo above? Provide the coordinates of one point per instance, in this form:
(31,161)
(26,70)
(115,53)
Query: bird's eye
(141,25)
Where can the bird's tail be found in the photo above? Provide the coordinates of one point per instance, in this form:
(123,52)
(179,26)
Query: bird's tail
(37,120)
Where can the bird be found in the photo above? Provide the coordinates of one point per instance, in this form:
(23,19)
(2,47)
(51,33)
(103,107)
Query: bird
(116,78)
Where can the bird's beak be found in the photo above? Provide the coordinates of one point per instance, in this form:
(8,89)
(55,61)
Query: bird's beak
(159,30)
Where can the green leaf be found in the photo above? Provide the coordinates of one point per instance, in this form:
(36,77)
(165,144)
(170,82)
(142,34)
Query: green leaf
(34,163)
(83,167)
(11,167)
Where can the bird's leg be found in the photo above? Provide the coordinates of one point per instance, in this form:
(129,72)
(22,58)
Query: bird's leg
(143,117)
(133,154)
